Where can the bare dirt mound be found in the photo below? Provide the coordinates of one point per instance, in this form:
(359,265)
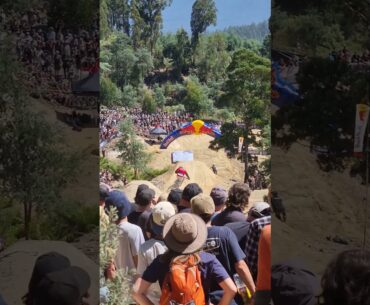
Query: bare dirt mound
(131,188)
(319,205)
(199,173)
(17,262)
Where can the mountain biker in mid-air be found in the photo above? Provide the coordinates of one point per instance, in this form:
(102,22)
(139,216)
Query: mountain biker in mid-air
(181,172)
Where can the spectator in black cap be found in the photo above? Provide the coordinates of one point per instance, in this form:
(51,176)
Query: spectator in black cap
(293,284)
(55,281)
(140,216)
(346,280)
(64,287)
(131,236)
(190,191)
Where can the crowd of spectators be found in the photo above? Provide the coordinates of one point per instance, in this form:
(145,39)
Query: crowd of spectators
(53,54)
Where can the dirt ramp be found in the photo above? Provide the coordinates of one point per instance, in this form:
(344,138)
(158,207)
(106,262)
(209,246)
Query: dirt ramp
(17,262)
(131,188)
(199,173)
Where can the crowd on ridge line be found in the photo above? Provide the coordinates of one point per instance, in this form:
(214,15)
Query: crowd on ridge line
(53,55)
(143,122)
(230,251)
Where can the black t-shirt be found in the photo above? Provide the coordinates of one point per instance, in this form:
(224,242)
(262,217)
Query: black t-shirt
(182,209)
(140,219)
(222,243)
(240,229)
(230,214)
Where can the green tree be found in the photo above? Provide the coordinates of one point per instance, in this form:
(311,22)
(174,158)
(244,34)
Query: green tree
(148,104)
(182,52)
(147,21)
(204,14)
(247,91)
(160,99)
(129,96)
(211,58)
(132,151)
(196,99)
(104,23)
(109,93)
(119,15)
(143,65)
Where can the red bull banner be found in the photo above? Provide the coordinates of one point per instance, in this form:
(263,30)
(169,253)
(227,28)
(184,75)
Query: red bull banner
(362,115)
(196,127)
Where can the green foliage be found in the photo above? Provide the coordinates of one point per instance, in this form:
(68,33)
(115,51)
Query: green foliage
(132,151)
(255,31)
(147,22)
(150,173)
(265,49)
(65,221)
(119,171)
(196,100)
(211,58)
(333,130)
(204,14)
(129,96)
(160,99)
(149,103)
(109,93)
(119,288)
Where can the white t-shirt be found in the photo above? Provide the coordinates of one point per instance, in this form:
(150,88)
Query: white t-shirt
(130,239)
(147,253)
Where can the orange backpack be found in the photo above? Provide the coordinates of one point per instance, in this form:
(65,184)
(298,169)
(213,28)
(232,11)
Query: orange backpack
(183,285)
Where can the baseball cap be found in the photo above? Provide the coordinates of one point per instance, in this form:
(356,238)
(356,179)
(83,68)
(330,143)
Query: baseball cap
(258,208)
(174,196)
(202,204)
(219,195)
(161,212)
(119,200)
(46,263)
(190,191)
(63,287)
(293,284)
(104,190)
(145,197)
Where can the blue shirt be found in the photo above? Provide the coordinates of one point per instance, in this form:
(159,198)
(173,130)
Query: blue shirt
(210,269)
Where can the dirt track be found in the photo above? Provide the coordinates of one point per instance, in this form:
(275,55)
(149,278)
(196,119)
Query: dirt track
(319,205)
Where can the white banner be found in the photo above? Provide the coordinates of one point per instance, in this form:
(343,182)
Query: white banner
(241,140)
(362,115)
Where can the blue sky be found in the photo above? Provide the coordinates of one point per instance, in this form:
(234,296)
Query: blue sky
(229,12)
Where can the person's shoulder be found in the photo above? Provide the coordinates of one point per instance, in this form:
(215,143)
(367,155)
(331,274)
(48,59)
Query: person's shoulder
(151,244)
(206,257)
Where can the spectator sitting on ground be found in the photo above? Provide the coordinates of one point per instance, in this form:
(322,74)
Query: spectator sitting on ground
(155,246)
(236,203)
(346,279)
(185,234)
(130,235)
(219,196)
(140,216)
(222,242)
(190,191)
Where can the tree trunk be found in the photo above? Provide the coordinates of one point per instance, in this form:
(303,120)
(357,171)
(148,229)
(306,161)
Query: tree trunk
(27,219)
(246,174)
